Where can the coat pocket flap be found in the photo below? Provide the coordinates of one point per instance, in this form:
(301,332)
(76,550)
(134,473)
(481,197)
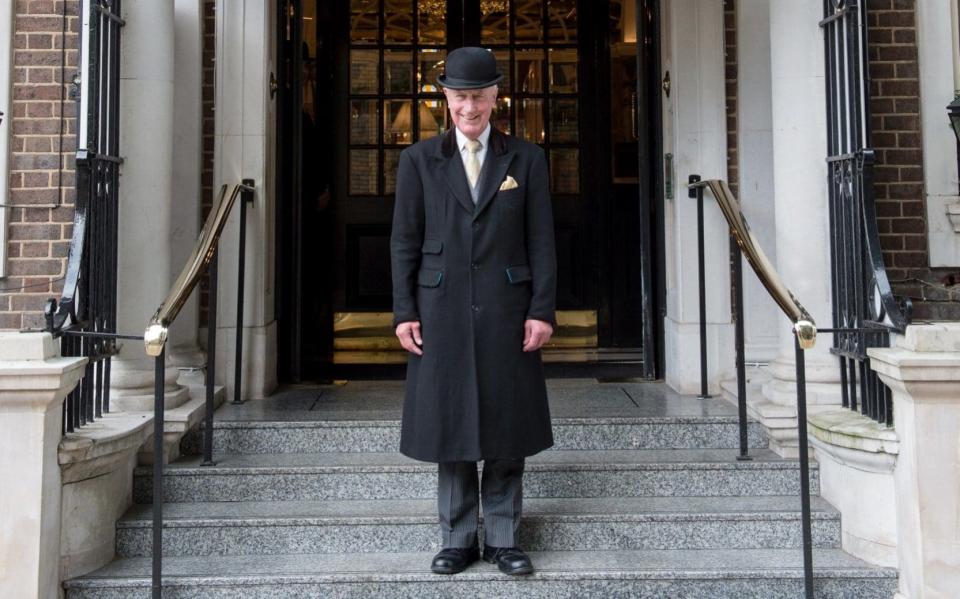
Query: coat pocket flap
(429,278)
(432,246)
(519,274)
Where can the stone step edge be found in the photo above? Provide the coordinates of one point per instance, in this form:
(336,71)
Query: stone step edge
(574,421)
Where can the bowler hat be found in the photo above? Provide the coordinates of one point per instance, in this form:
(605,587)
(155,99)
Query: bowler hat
(470,68)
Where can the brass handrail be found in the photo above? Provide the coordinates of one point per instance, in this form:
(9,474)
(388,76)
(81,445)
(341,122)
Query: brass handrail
(803,323)
(155,336)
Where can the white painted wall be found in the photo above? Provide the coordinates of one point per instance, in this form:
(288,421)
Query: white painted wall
(934,46)
(6,106)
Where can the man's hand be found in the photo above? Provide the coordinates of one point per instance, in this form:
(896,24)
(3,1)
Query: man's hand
(535,334)
(409,335)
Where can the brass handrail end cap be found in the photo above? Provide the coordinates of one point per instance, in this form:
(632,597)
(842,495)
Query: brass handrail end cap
(154,339)
(806,333)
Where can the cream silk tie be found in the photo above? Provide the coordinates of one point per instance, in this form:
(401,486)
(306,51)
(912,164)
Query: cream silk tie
(473,163)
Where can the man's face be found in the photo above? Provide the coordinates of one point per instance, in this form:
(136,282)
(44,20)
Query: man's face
(470,108)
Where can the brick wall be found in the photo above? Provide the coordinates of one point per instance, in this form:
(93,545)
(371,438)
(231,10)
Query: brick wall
(41,163)
(730,67)
(208,99)
(895,114)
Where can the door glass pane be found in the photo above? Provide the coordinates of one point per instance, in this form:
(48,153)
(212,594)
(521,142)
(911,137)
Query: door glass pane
(503,67)
(528,23)
(363,121)
(564,170)
(433,118)
(563,20)
(564,124)
(501,114)
(398,21)
(397,121)
(363,172)
(430,66)
(563,71)
(363,71)
(494,21)
(432,22)
(397,72)
(529,71)
(364,21)
(391,159)
(530,120)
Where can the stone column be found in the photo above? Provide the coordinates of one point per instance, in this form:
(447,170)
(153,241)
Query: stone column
(146,215)
(34,380)
(923,371)
(801,211)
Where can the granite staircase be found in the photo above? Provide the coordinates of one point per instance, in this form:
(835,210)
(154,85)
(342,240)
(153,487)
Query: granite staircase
(642,496)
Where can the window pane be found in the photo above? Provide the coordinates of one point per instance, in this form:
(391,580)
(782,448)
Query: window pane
(528,23)
(364,21)
(529,71)
(397,121)
(363,121)
(391,159)
(363,71)
(430,66)
(363,172)
(397,72)
(433,118)
(495,21)
(530,120)
(563,71)
(433,22)
(563,20)
(501,114)
(398,21)
(564,170)
(564,124)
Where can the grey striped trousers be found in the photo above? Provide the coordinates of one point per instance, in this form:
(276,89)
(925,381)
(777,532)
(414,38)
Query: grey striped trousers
(458,501)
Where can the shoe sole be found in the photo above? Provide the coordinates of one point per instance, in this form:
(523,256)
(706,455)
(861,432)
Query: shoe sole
(448,571)
(517,572)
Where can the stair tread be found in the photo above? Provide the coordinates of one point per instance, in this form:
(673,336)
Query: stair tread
(609,459)
(372,567)
(365,511)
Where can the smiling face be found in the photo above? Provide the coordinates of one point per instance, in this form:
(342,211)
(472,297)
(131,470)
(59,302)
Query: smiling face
(470,109)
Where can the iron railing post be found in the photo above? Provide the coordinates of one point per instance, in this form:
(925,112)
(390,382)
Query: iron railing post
(697,192)
(737,268)
(211,368)
(245,196)
(804,469)
(159,374)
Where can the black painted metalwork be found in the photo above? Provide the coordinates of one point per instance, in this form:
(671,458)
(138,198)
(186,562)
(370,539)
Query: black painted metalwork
(157,549)
(801,370)
(863,301)
(246,196)
(697,193)
(736,268)
(211,369)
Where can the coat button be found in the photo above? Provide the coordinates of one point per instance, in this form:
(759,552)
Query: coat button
(476,225)
(475,265)
(475,307)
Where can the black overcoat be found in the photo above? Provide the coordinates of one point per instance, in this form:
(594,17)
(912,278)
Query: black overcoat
(472,275)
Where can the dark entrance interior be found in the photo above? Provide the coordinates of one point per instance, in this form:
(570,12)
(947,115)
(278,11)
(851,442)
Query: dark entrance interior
(357,84)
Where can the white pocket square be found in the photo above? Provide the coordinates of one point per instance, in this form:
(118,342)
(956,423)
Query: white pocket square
(508,183)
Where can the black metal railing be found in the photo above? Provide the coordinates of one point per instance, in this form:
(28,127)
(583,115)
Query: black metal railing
(865,311)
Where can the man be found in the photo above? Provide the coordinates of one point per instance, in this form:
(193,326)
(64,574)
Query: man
(474,294)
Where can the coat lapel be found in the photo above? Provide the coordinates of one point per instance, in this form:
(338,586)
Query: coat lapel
(453,171)
(495,167)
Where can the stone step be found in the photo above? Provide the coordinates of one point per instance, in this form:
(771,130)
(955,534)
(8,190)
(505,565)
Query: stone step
(678,574)
(612,473)
(671,432)
(361,526)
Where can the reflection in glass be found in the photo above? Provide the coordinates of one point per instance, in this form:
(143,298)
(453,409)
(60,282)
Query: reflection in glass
(529,71)
(398,21)
(564,170)
(397,72)
(528,22)
(364,21)
(530,120)
(433,118)
(432,21)
(391,159)
(429,67)
(563,20)
(494,21)
(363,71)
(503,67)
(397,121)
(563,70)
(363,172)
(501,114)
(563,120)
(363,121)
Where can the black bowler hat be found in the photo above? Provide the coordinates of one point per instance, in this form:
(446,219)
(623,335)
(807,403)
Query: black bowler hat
(470,68)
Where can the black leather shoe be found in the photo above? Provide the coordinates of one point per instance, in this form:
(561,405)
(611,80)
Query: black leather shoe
(451,560)
(510,560)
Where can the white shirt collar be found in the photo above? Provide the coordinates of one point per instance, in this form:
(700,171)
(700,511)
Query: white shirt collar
(462,139)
